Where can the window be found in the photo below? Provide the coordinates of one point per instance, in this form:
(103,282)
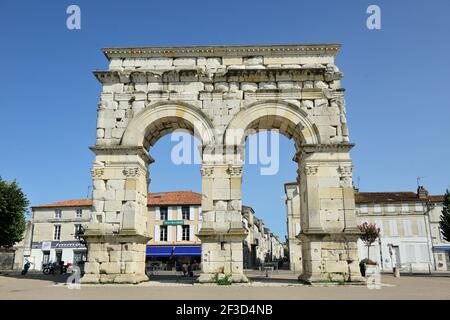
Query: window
(163,213)
(58,214)
(393,228)
(46,257)
(57,232)
(185,213)
(405,207)
(163,233)
(185,233)
(391,207)
(421,228)
(77,230)
(407,227)
(418,207)
(363,208)
(79,213)
(376,208)
(379,224)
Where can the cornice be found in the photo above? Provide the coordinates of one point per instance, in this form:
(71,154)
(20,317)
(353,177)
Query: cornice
(305,73)
(122,150)
(223,51)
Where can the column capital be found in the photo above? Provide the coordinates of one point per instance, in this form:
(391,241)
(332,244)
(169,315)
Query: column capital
(123,150)
(314,148)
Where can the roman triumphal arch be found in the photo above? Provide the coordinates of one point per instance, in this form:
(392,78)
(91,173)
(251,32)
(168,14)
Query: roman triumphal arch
(219,93)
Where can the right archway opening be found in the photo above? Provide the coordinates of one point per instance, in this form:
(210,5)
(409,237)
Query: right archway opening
(267,167)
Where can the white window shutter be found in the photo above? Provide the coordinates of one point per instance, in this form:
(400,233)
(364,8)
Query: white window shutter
(200,213)
(393,227)
(191,233)
(407,227)
(179,233)
(379,224)
(199,226)
(156,236)
(191,213)
(180,215)
(421,228)
(169,233)
(157,214)
(170,215)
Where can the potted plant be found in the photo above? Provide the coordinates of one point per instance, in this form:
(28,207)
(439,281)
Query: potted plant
(369,234)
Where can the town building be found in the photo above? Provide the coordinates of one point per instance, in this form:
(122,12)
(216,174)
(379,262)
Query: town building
(174,220)
(441,248)
(54,232)
(410,236)
(403,219)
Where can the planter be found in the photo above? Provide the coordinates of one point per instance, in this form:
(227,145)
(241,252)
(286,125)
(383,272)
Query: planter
(371,269)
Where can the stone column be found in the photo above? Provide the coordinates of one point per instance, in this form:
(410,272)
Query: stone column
(329,231)
(117,233)
(222,232)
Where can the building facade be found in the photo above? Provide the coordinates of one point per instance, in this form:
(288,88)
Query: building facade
(261,245)
(403,219)
(174,221)
(53,234)
(175,218)
(441,248)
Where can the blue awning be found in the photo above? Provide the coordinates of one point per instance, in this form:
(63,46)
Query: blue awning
(188,251)
(442,248)
(168,251)
(159,251)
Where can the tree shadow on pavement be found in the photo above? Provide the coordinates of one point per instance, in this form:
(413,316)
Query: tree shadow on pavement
(57,278)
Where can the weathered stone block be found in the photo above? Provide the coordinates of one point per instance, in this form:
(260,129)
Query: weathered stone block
(110,267)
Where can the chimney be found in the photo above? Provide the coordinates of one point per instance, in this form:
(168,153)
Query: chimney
(422,193)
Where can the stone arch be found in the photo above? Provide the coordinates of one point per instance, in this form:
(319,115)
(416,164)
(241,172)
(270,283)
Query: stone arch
(158,119)
(272,114)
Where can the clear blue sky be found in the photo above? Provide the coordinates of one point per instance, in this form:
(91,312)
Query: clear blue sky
(397,81)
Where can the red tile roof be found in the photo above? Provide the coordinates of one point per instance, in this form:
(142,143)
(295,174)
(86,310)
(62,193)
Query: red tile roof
(369,197)
(67,203)
(157,198)
(436,198)
(174,197)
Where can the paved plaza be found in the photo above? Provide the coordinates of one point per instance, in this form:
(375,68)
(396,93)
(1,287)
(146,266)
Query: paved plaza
(280,286)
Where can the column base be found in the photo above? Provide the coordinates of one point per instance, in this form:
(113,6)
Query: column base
(115,258)
(114,278)
(331,278)
(330,257)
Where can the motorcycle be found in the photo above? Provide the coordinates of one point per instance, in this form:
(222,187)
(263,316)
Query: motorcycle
(26,266)
(49,268)
(53,268)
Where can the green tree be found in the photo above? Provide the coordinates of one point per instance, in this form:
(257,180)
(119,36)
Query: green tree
(369,233)
(445,217)
(13,206)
